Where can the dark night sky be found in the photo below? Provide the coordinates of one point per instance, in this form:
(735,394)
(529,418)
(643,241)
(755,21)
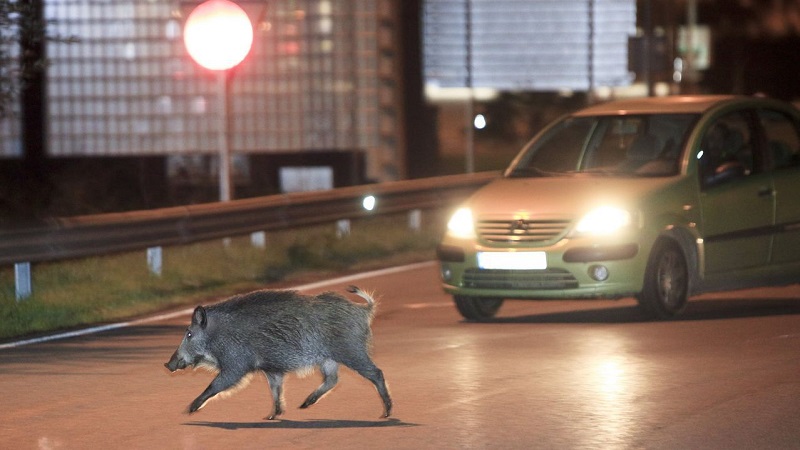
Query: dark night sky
(756,47)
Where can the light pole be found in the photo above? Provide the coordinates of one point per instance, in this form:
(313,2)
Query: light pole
(470,133)
(218,36)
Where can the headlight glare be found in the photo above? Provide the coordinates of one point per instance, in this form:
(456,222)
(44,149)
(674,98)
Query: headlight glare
(604,220)
(461,225)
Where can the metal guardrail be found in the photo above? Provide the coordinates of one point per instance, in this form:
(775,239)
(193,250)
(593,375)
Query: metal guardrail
(95,235)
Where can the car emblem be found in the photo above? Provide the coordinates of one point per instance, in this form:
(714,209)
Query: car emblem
(519,226)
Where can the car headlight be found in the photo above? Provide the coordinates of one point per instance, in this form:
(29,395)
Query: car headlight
(604,220)
(461,224)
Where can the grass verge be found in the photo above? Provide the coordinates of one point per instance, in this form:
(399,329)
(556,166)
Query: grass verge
(94,290)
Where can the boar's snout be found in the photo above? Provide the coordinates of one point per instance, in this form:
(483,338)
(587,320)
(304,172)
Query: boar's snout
(175,363)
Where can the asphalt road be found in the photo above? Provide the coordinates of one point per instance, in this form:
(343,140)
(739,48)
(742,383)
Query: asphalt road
(561,375)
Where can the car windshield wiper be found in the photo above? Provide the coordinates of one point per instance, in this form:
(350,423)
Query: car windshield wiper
(523,172)
(606,171)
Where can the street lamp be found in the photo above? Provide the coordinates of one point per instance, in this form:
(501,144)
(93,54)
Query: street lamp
(218,36)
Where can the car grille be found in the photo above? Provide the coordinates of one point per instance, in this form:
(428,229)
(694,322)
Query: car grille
(519,279)
(521,231)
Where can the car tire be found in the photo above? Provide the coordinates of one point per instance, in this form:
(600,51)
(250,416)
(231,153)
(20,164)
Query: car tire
(666,282)
(477,309)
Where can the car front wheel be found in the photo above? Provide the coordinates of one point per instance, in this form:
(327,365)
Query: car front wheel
(666,283)
(477,308)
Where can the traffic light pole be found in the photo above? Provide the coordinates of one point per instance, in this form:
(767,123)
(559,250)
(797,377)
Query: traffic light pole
(218,35)
(223,144)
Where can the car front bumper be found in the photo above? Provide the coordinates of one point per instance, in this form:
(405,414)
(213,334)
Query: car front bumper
(610,270)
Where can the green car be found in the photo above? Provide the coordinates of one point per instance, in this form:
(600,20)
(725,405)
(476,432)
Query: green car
(656,198)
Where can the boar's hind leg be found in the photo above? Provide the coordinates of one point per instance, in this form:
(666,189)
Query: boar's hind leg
(222,382)
(275,380)
(330,374)
(367,369)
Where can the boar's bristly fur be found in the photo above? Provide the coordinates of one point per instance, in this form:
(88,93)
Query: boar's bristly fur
(278,332)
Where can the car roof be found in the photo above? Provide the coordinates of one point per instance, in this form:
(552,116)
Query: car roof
(650,105)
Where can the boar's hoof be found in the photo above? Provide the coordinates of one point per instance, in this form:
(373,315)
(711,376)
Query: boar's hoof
(196,405)
(274,416)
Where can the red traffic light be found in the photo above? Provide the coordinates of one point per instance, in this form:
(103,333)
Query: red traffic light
(218,34)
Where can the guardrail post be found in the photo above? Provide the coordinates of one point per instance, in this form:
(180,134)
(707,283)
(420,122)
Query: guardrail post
(154,260)
(258,239)
(342,228)
(415,219)
(22,279)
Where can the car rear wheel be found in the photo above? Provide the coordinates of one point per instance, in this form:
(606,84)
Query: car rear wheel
(666,282)
(477,308)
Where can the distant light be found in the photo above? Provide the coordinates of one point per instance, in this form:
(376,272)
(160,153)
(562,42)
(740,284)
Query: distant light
(218,34)
(661,89)
(130,51)
(479,122)
(172,30)
(700,154)
(603,92)
(369,202)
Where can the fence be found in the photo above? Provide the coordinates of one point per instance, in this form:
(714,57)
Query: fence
(95,235)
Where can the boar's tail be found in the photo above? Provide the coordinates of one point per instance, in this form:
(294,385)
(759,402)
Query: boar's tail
(359,292)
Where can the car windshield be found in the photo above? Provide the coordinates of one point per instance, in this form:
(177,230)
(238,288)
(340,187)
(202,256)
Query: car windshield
(629,145)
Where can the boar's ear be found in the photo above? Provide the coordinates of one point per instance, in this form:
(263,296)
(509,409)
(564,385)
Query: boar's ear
(199,317)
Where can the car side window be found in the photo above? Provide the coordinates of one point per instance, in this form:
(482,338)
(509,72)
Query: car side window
(727,150)
(782,138)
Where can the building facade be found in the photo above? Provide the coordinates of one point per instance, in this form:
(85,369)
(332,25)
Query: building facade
(322,76)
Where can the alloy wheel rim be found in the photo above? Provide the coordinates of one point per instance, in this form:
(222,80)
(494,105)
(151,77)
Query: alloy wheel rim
(670,276)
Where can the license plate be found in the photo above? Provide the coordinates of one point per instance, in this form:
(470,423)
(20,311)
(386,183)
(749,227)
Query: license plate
(512,261)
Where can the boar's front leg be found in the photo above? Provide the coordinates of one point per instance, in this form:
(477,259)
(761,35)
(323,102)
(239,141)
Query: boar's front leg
(275,380)
(222,382)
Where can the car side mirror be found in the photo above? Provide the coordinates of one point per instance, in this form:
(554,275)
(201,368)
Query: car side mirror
(725,172)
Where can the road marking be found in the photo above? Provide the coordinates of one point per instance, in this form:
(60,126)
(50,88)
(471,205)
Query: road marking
(188,311)
(428,305)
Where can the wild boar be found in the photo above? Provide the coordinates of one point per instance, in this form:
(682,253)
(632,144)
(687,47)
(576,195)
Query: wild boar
(279,332)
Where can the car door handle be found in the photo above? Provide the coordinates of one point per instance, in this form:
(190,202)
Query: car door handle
(765,191)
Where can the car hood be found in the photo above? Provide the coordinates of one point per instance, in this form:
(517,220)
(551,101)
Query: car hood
(562,196)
